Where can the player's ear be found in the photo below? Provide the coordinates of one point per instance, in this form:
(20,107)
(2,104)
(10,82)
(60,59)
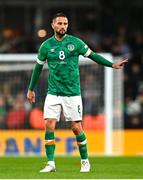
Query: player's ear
(52,25)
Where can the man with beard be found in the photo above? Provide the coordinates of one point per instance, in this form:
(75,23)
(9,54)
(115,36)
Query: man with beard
(61,52)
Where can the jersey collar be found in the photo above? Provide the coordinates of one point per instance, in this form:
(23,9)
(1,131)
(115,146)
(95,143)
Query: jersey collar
(60,40)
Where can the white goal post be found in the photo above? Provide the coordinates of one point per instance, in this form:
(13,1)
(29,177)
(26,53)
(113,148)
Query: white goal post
(113,93)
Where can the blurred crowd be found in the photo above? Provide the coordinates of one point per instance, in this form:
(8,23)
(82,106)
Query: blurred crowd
(111,33)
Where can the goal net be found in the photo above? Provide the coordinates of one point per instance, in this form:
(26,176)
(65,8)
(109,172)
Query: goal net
(101,88)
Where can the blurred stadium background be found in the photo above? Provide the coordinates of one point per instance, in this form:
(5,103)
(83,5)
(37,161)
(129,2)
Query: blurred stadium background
(111,27)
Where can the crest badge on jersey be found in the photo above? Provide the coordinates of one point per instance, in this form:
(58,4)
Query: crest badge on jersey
(70,47)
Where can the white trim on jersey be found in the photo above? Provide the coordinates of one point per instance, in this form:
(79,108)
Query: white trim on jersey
(40,62)
(88,52)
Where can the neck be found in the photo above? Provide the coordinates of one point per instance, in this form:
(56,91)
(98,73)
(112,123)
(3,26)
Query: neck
(59,37)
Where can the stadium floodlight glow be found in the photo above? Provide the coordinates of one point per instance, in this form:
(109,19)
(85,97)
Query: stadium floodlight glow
(42,33)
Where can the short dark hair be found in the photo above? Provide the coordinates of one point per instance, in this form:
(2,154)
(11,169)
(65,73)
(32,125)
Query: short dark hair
(59,15)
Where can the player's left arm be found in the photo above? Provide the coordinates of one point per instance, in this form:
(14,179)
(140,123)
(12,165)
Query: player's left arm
(87,52)
(101,60)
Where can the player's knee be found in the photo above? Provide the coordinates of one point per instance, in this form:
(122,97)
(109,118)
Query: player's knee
(76,130)
(49,125)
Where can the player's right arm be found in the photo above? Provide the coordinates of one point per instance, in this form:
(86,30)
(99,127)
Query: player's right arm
(41,58)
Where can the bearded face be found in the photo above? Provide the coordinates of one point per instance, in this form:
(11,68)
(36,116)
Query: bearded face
(60,25)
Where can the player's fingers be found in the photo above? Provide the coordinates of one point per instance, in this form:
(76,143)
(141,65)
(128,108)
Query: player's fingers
(30,99)
(125,59)
(124,62)
(33,99)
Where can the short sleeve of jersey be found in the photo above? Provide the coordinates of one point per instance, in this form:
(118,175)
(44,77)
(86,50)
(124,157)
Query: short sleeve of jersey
(42,55)
(83,48)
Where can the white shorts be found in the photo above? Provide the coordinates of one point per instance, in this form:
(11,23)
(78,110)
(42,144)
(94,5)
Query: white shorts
(71,106)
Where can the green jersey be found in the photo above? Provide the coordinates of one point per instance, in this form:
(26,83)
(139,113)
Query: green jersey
(62,58)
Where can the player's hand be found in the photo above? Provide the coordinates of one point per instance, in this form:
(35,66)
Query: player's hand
(120,64)
(31,96)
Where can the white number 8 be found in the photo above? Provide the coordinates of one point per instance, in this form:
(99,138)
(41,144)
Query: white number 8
(61,55)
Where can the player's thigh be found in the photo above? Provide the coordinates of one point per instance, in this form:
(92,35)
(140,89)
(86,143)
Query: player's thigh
(52,107)
(72,108)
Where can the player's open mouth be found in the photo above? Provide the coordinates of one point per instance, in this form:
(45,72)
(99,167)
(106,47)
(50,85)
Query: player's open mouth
(62,31)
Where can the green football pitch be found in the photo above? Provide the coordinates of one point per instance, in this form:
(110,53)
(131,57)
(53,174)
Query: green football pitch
(68,168)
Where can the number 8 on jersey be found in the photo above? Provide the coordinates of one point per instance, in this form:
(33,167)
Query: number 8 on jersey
(61,55)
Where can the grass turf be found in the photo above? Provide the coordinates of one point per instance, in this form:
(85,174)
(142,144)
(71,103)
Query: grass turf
(68,168)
